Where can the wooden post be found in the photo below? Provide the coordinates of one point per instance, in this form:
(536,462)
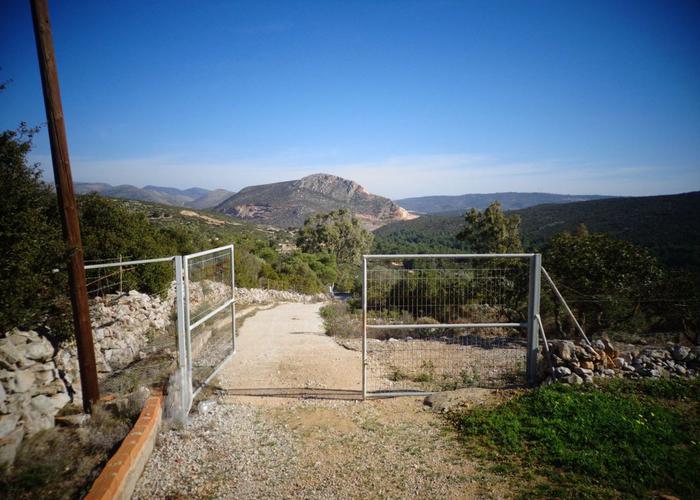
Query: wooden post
(66,202)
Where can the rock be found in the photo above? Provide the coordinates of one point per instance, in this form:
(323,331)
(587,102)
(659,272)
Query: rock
(680,352)
(610,349)
(598,344)
(49,405)
(10,356)
(205,407)
(587,365)
(9,445)
(39,350)
(573,379)
(564,349)
(583,372)
(8,424)
(561,371)
(22,381)
(609,372)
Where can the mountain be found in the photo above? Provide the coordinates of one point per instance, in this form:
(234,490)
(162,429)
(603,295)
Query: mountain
(509,201)
(193,197)
(290,203)
(666,225)
(210,199)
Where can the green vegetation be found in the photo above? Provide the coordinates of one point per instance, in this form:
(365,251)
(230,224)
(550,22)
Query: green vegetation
(340,235)
(33,283)
(614,286)
(625,439)
(339,321)
(491,231)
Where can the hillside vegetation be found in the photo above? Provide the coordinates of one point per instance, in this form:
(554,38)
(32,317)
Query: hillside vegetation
(509,201)
(666,225)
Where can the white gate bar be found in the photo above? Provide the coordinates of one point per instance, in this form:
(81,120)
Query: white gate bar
(451,256)
(130,262)
(205,252)
(210,314)
(448,325)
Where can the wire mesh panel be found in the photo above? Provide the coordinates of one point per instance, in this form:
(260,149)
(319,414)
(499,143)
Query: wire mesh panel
(133,316)
(210,311)
(444,322)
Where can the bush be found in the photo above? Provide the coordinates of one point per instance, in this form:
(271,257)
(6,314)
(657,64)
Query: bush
(339,321)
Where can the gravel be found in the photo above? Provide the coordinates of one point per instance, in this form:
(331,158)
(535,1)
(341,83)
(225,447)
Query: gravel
(230,451)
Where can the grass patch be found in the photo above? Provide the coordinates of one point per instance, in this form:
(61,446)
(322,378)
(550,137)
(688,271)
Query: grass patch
(623,439)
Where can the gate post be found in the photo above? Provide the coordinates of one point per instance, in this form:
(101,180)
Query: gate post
(364,327)
(185,386)
(233,296)
(533,309)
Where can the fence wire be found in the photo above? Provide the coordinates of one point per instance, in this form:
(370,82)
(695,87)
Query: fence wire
(413,294)
(132,311)
(211,327)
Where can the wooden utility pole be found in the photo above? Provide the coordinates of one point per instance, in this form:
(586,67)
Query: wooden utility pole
(66,202)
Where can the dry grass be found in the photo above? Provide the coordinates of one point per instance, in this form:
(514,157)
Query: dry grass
(63,462)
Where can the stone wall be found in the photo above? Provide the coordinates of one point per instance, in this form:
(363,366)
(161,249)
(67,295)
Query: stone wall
(577,362)
(121,326)
(249,296)
(36,380)
(31,390)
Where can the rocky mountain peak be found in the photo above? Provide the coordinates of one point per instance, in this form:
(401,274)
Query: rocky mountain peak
(330,185)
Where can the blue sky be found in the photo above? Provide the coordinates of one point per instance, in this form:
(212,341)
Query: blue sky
(407,98)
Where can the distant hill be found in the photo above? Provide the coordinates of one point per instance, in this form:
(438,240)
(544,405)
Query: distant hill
(666,225)
(193,197)
(509,201)
(211,199)
(290,203)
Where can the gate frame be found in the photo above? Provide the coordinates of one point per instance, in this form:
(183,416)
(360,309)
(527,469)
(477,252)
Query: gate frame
(533,309)
(185,339)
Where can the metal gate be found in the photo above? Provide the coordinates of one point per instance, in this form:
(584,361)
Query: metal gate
(444,321)
(206,314)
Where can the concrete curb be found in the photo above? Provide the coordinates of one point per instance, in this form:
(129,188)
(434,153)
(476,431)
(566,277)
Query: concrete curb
(118,478)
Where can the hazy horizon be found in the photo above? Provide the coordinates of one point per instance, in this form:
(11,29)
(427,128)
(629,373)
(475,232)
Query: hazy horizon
(406,98)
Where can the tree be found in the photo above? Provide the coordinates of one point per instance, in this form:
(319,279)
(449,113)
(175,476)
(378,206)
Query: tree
(608,282)
(337,233)
(30,239)
(491,231)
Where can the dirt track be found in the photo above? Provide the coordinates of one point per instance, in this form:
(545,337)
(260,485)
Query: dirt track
(285,348)
(286,447)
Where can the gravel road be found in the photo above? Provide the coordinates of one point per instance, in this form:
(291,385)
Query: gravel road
(249,446)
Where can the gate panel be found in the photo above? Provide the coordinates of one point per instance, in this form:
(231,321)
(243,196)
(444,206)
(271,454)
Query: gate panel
(209,314)
(441,322)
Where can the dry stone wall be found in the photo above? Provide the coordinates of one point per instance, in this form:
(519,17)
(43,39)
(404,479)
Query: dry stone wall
(37,380)
(576,362)
(31,390)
